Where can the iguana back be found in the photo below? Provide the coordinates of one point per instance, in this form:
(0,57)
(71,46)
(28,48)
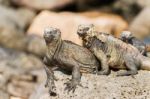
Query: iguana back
(112,52)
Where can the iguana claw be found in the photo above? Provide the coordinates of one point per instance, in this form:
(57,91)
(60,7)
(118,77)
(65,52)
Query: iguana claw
(104,72)
(52,88)
(71,86)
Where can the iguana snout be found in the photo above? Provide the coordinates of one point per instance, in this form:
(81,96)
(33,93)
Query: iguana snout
(51,34)
(84,29)
(125,35)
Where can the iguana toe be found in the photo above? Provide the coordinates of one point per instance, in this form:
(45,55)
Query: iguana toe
(104,72)
(71,86)
(126,73)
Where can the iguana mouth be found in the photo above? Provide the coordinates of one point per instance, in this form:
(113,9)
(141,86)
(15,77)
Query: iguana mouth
(81,34)
(49,38)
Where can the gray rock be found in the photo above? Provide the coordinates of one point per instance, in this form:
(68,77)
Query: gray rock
(18,62)
(36,45)
(3,81)
(4,95)
(19,72)
(5,2)
(11,38)
(143,3)
(100,87)
(21,88)
(127,8)
(140,26)
(15,19)
(42,4)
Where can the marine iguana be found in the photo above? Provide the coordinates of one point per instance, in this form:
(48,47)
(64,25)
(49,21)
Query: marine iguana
(113,52)
(127,37)
(67,56)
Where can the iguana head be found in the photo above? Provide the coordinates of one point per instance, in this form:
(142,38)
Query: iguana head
(85,30)
(126,35)
(88,31)
(51,35)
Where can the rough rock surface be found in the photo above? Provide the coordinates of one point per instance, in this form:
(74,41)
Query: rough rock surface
(143,3)
(140,26)
(9,18)
(36,45)
(127,8)
(100,87)
(5,2)
(11,38)
(19,72)
(42,4)
(4,95)
(68,23)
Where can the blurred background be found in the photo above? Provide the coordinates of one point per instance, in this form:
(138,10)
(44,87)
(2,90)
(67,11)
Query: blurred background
(21,28)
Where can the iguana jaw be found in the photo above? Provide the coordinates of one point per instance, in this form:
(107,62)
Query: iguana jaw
(51,35)
(53,47)
(85,33)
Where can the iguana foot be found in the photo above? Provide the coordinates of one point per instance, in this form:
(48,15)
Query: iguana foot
(126,73)
(71,86)
(52,88)
(103,72)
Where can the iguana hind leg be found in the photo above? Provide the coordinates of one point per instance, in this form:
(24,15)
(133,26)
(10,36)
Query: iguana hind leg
(130,65)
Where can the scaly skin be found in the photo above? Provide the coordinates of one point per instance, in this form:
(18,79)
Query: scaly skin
(127,37)
(113,52)
(68,56)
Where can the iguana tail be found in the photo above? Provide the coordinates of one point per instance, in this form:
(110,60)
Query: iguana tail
(145,63)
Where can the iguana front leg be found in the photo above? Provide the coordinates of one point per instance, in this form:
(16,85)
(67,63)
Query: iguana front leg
(50,78)
(103,59)
(76,77)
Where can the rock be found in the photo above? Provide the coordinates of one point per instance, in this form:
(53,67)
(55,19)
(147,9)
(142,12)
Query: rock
(17,67)
(3,53)
(20,88)
(104,23)
(26,17)
(39,75)
(15,19)
(36,45)
(19,73)
(3,81)
(100,87)
(42,4)
(12,97)
(140,26)
(12,24)
(11,38)
(4,95)
(127,8)
(27,62)
(148,54)
(143,3)
(16,63)
(5,2)
(84,5)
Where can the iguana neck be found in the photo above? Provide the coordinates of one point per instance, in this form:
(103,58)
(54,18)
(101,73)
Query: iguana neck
(90,34)
(53,47)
